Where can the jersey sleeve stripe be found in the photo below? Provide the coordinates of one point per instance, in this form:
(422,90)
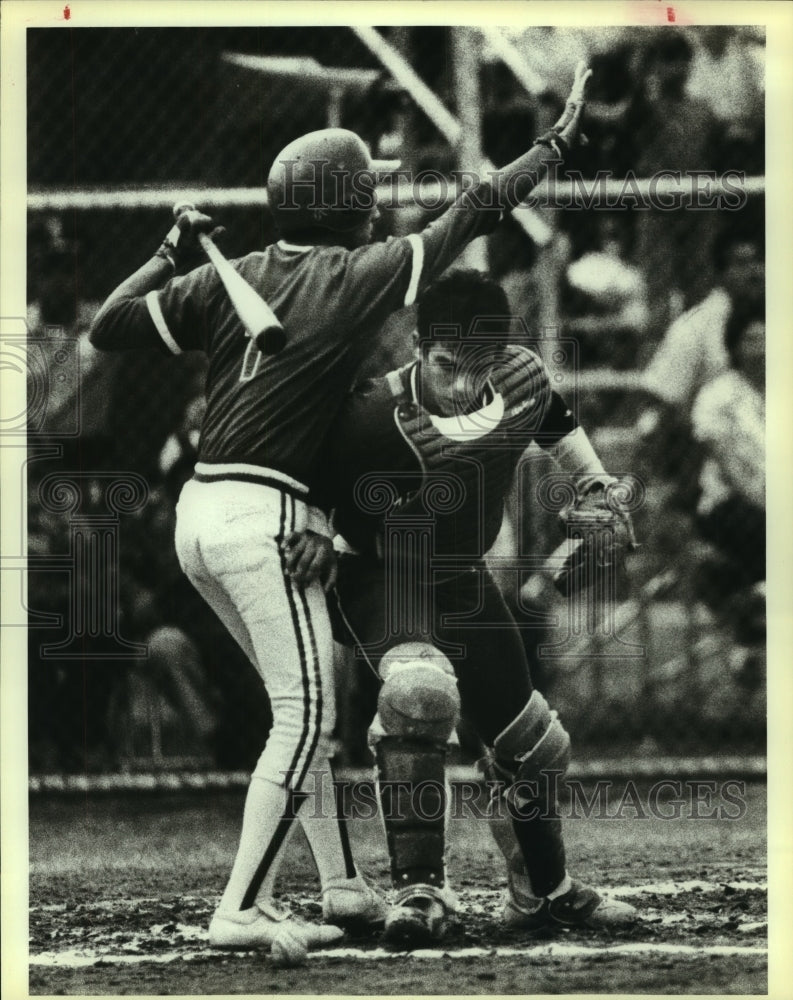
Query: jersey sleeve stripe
(153,304)
(245,468)
(417,244)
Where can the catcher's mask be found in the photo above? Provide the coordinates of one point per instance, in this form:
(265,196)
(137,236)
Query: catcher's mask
(324,179)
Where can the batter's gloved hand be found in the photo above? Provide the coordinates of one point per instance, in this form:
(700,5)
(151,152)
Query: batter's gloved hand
(181,246)
(599,532)
(568,125)
(310,557)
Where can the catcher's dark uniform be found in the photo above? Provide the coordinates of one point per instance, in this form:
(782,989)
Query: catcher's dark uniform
(421,500)
(399,477)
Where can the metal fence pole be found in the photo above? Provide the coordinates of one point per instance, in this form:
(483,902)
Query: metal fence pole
(466,47)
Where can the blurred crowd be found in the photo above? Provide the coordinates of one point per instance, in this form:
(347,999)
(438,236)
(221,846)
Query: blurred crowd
(677,298)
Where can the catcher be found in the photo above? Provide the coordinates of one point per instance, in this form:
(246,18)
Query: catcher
(439,442)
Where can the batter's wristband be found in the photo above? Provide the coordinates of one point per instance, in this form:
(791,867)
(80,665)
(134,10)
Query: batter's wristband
(553,141)
(167,249)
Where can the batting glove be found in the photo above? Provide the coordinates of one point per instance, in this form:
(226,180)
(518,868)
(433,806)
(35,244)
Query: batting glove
(568,124)
(181,245)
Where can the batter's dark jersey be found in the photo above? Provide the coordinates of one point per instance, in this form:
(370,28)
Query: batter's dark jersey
(384,438)
(274,412)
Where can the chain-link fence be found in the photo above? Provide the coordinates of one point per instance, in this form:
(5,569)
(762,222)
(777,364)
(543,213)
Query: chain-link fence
(646,297)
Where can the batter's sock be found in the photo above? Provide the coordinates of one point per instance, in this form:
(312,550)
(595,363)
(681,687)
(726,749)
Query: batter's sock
(325,826)
(270,813)
(267,891)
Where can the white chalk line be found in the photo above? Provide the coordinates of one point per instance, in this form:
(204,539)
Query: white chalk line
(195,935)
(75,959)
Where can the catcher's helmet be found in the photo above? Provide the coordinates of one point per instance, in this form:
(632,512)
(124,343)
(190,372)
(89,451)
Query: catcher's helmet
(467,306)
(322,180)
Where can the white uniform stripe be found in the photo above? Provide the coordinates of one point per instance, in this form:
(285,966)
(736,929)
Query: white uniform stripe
(153,304)
(312,677)
(229,468)
(294,766)
(293,247)
(418,265)
(316,728)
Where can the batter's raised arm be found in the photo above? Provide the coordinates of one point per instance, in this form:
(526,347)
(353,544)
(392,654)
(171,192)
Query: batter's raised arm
(124,321)
(515,181)
(479,209)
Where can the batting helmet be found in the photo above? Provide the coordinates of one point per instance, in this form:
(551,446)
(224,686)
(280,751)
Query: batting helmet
(322,180)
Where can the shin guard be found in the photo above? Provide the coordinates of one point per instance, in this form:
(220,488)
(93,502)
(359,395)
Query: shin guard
(412,790)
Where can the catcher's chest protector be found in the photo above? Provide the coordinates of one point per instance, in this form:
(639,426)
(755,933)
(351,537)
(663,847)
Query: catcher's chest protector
(482,459)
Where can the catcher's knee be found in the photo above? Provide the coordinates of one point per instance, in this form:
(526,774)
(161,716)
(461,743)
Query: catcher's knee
(534,743)
(419,697)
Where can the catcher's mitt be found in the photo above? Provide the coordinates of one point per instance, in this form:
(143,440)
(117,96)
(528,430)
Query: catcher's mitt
(599,533)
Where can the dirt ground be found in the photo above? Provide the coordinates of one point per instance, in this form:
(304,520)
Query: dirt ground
(121,891)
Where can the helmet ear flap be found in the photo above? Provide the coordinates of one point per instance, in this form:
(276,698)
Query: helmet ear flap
(323,180)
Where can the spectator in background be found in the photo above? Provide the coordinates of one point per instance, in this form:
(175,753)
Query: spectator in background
(76,377)
(165,706)
(615,88)
(51,731)
(606,298)
(728,418)
(692,353)
(672,131)
(727,74)
(72,684)
(551,51)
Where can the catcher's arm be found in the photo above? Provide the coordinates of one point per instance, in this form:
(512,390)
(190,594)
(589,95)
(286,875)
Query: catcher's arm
(598,505)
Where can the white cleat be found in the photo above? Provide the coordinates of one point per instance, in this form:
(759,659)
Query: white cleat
(353,904)
(259,926)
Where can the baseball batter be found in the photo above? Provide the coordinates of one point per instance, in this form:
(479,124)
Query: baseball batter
(437,443)
(260,453)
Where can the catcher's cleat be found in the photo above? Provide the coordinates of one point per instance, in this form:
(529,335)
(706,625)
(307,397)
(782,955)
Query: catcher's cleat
(353,904)
(419,917)
(258,926)
(580,906)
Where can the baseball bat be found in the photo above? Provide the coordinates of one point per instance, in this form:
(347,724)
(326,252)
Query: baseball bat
(260,322)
